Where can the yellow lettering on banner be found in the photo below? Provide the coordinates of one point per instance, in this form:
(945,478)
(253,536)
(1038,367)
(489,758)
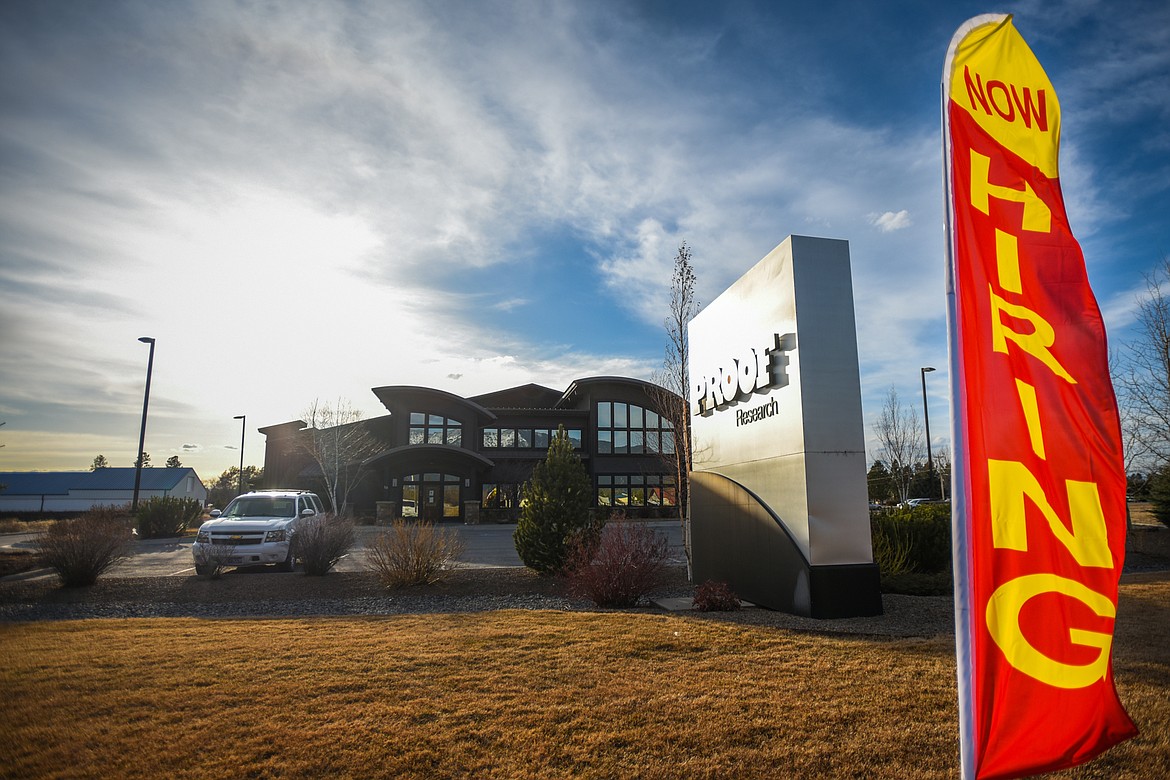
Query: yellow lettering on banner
(1036,343)
(1031,409)
(1010,483)
(1037,215)
(1007,261)
(1003,621)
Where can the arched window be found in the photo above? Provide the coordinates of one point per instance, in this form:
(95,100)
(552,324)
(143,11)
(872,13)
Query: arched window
(426,428)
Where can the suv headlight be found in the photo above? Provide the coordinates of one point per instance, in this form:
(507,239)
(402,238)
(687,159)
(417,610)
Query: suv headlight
(203,537)
(275,536)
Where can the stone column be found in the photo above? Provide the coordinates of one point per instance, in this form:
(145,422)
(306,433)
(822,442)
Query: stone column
(471,512)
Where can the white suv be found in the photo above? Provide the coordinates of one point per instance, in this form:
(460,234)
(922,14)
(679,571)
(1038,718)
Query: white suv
(256,528)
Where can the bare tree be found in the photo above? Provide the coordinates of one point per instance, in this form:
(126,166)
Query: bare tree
(1143,379)
(338,440)
(899,430)
(942,467)
(675,380)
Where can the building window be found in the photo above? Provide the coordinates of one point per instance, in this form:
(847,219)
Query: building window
(624,491)
(527,438)
(629,429)
(501,495)
(428,428)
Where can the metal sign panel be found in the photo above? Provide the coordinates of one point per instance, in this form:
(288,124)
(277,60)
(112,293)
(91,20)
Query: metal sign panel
(776,399)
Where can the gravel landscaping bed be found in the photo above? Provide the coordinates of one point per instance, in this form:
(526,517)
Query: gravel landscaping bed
(245,593)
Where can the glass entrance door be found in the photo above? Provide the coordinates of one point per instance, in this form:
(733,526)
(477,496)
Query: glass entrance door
(432,497)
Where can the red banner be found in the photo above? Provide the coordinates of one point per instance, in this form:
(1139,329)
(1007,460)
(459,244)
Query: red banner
(1039,488)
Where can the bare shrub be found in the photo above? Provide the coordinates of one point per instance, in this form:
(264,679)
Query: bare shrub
(80,550)
(214,559)
(625,564)
(321,541)
(714,596)
(412,554)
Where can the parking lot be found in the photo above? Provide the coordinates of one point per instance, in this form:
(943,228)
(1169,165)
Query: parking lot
(485,546)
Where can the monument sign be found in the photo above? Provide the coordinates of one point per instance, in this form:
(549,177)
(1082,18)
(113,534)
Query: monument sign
(779,506)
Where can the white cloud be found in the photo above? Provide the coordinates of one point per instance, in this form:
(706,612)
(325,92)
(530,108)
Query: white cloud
(890,221)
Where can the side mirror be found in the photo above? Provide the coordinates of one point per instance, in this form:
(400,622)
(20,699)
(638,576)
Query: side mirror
(306,512)
(215,513)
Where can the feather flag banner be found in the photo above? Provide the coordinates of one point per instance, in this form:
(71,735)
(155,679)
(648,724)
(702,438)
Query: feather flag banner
(1039,482)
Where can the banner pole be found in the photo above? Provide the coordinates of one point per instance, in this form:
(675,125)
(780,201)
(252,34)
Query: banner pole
(959,545)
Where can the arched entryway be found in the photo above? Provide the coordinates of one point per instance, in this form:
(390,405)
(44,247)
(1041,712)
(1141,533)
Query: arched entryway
(433,482)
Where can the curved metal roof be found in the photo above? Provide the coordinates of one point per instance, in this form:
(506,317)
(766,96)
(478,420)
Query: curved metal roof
(395,395)
(579,384)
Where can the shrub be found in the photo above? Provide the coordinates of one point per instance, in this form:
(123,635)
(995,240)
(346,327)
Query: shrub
(922,532)
(412,554)
(713,596)
(214,560)
(165,516)
(555,512)
(617,569)
(82,549)
(321,541)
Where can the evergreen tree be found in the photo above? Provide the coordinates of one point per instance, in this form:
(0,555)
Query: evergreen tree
(99,462)
(881,484)
(554,514)
(173,462)
(1159,488)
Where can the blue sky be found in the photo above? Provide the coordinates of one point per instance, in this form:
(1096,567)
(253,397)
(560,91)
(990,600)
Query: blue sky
(308,200)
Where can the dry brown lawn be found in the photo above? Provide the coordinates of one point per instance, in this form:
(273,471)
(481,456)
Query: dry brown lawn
(1142,513)
(515,694)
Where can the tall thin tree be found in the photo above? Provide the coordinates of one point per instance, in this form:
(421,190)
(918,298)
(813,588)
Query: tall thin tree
(338,440)
(675,380)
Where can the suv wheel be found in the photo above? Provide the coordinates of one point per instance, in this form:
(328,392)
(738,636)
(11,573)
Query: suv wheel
(289,563)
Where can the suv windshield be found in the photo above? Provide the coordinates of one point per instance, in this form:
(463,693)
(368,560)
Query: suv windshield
(261,506)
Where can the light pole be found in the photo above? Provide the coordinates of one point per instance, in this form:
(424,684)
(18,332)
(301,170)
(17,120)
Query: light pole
(142,434)
(926,416)
(243,418)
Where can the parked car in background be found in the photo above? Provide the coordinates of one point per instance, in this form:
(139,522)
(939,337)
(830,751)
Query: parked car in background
(255,528)
(913,502)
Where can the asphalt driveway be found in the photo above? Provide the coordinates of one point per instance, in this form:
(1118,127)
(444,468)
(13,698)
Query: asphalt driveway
(486,546)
